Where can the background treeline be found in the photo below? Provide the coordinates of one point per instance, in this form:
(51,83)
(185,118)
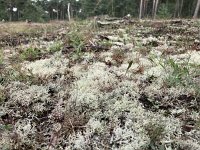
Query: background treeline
(45,10)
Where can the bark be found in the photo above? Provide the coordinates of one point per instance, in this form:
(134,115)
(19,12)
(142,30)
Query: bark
(155,9)
(181,7)
(63,12)
(113,14)
(11,12)
(141,9)
(145,7)
(196,10)
(68,10)
(57,11)
(176,9)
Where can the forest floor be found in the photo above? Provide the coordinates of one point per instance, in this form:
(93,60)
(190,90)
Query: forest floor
(73,86)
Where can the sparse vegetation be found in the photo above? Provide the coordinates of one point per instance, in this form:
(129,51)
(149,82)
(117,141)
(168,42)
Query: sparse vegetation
(182,74)
(1,56)
(31,54)
(78,39)
(2,96)
(57,46)
(77,87)
(118,56)
(156,133)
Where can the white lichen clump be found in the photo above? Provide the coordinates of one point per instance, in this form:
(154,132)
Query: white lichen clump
(148,40)
(95,79)
(138,92)
(92,91)
(47,67)
(26,96)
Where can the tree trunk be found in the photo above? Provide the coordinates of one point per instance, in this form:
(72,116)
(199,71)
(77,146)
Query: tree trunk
(11,12)
(196,10)
(181,7)
(141,9)
(63,12)
(145,7)
(68,10)
(155,8)
(176,9)
(57,12)
(112,3)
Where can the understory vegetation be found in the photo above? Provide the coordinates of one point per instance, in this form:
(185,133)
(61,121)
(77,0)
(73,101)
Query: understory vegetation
(78,85)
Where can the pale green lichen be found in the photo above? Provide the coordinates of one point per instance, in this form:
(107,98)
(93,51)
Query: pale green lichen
(33,94)
(47,67)
(121,101)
